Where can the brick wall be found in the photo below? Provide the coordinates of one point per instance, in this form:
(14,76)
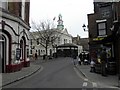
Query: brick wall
(27,9)
(15,9)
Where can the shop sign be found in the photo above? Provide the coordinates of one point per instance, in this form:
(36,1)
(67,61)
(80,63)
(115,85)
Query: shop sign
(98,39)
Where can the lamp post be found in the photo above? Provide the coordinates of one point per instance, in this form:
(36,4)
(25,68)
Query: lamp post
(84,27)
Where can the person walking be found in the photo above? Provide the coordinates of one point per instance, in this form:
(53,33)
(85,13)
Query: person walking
(36,56)
(103,57)
(74,58)
(79,61)
(92,65)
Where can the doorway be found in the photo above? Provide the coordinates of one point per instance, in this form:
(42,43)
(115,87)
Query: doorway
(3,55)
(23,49)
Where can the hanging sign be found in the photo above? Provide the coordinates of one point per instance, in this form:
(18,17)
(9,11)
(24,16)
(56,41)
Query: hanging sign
(18,53)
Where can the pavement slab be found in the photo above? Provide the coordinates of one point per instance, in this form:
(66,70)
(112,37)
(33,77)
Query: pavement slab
(8,78)
(111,81)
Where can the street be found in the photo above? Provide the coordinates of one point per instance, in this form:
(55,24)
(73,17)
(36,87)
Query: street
(55,74)
(58,73)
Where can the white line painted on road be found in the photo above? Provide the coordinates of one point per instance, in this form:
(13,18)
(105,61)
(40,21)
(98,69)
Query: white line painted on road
(85,79)
(85,84)
(94,84)
(84,89)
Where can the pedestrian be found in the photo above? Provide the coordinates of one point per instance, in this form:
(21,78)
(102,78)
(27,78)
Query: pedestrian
(33,56)
(79,61)
(74,61)
(92,65)
(36,56)
(103,58)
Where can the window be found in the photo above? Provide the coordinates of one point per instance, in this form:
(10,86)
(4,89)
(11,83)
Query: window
(37,41)
(69,41)
(58,40)
(4,4)
(64,41)
(39,52)
(101,29)
(31,42)
(30,51)
(115,9)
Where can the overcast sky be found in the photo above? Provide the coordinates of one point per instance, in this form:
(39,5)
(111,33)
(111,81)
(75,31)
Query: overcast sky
(74,13)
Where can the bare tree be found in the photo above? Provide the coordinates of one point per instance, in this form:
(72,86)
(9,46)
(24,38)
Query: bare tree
(47,33)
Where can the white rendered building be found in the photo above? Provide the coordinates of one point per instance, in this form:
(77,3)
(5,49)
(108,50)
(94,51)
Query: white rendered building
(63,37)
(14,35)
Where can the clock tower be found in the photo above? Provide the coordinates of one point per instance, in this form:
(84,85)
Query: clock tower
(60,25)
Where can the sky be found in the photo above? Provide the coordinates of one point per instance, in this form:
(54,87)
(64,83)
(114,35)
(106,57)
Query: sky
(74,13)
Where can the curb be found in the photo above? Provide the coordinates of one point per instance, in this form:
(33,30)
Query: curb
(81,71)
(18,79)
(116,87)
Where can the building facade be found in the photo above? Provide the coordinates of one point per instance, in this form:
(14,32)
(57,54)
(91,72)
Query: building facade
(102,34)
(14,35)
(62,37)
(80,43)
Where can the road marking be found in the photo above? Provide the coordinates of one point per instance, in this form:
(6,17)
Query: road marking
(85,84)
(94,84)
(85,79)
(84,89)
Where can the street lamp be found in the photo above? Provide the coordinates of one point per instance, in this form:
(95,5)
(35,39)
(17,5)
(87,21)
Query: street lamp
(84,27)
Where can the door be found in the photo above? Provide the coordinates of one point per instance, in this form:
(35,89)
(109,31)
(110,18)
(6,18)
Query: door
(23,49)
(2,54)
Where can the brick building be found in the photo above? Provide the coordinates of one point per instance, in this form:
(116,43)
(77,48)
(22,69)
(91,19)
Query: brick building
(14,35)
(104,31)
(81,42)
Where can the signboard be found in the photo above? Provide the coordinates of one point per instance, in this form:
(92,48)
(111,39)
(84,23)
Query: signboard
(18,53)
(98,39)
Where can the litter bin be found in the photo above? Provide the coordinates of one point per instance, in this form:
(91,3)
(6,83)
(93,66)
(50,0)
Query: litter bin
(98,68)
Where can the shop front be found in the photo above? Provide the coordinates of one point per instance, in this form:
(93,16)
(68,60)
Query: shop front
(14,44)
(96,47)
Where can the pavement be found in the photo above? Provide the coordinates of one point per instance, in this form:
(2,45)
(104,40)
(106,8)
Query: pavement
(9,78)
(111,81)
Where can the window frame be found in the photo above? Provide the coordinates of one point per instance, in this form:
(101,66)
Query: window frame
(103,29)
